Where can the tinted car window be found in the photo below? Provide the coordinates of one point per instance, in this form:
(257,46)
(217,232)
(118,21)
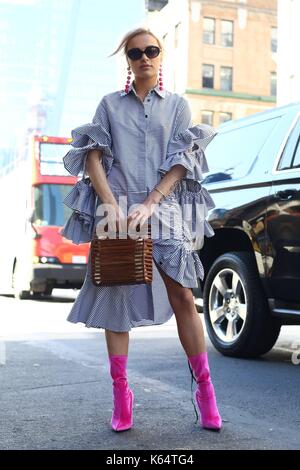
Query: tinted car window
(288,155)
(233,152)
(296,162)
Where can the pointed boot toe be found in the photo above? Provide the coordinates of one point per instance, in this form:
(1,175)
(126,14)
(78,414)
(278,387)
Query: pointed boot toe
(206,402)
(122,417)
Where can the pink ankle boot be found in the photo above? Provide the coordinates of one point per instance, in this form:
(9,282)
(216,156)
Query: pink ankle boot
(205,394)
(123,397)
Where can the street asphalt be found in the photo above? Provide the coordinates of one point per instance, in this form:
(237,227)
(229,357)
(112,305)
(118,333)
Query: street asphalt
(55,389)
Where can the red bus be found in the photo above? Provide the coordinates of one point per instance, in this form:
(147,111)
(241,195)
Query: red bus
(34,257)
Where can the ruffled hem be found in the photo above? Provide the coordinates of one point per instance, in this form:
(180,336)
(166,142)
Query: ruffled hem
(195,202)
(85,138)
(192,192)
(187,149)
(178,261)
(120,308)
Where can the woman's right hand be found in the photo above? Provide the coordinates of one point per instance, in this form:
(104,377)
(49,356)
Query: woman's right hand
(114,222)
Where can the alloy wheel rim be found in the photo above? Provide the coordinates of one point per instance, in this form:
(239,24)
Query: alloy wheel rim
(227,305)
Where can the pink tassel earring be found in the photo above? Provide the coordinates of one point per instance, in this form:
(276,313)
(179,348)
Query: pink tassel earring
(160,80)
(128,79)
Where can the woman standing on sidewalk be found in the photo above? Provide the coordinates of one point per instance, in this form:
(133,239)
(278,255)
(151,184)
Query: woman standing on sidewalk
(140,145)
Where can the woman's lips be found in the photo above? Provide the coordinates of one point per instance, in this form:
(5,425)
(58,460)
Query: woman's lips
(145,66)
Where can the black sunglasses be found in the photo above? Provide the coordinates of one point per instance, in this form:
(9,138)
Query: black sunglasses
(150,51)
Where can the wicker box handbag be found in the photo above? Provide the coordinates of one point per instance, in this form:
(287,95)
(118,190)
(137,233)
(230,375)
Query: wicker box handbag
(118,261)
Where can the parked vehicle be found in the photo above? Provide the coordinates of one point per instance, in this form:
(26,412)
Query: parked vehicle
(34,257)
(252,264)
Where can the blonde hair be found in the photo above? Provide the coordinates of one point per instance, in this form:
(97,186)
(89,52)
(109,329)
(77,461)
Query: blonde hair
(130,35)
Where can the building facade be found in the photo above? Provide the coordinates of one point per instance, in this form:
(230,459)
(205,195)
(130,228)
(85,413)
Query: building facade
(221,54)
(288,51)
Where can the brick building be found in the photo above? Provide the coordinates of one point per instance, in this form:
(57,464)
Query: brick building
(221,54)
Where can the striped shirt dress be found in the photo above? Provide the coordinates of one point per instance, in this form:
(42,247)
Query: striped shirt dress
(140,142)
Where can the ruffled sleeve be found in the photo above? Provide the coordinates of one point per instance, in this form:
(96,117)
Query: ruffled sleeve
(187,144)
(82,199)
(186,147)
(95,135)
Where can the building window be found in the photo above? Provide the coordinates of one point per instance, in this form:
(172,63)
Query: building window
(207,76)
(273,83)
(226,78)
(223,117)
(207,117)
(177,35)
(274,39)
(209,30)
(226,33)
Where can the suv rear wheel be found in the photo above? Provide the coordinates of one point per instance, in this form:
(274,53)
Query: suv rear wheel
(16,284)
(236,312)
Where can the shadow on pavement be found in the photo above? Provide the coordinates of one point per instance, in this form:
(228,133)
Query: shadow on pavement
(44,298)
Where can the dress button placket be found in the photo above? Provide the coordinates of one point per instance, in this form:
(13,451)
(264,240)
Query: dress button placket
(147,108)
(147,104)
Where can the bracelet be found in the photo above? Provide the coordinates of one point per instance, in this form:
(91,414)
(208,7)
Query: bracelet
(156,189)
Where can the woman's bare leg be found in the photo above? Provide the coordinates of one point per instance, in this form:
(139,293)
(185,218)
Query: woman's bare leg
(117,348)
(190,331)
(189,323)
(117,342)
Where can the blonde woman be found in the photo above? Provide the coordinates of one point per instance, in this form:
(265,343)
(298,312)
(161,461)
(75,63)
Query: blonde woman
(141,145)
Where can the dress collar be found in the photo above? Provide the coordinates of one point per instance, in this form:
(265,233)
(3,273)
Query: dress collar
(131,89)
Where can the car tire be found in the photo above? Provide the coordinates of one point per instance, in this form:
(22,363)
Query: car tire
(48,291)
(18,292)
(235,308)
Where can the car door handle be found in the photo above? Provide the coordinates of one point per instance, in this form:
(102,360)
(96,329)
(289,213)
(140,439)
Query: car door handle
(286,194)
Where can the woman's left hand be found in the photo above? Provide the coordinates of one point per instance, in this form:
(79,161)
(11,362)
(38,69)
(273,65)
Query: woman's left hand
(140,214)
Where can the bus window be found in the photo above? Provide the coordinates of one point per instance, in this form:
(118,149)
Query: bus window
(48,204)
(51,159)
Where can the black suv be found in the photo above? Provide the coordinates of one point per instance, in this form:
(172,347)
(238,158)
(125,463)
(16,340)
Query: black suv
(252,264)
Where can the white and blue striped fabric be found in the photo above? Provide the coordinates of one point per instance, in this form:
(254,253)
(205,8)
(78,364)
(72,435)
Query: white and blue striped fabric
(140,142)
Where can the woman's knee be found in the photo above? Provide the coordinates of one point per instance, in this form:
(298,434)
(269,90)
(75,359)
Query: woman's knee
(182,298)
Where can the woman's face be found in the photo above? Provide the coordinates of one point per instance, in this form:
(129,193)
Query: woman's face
(144,68)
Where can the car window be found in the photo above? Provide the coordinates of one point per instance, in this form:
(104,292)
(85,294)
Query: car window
(296,161)
(232,153)
(289,155)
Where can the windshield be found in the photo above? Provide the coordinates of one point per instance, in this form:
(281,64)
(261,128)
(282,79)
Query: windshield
(51,158)
(49,208)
